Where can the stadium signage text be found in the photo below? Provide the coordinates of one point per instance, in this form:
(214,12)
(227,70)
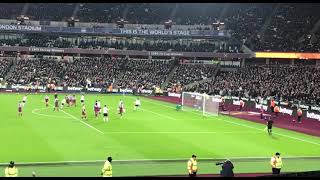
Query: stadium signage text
(174,94)
(154,32)
(258,106)
(36,49)
(74,88)
(313,116)
(286,111)
(159,53)
(315,108)
(19,28)
(94,89)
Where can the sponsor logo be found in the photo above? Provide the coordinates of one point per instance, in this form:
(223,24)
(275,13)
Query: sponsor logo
(313,116)
(94,89)
(236,103)
(258,106)
(286,111)
(74,89)
(174,95)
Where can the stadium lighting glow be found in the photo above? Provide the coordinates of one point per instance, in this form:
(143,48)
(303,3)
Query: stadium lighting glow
(287,55)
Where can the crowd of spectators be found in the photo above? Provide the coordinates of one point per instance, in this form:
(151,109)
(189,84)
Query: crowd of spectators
(292,83)
(5,65)
(36,71)
(189,73)
(91,72)
(144,73)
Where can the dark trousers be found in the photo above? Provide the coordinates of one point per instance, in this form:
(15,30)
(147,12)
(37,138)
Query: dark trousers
(276,114)
(275,171)
(269,130)
(299,118)
(193,174)
(261,116)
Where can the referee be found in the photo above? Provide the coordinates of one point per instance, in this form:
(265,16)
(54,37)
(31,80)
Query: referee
(269,124)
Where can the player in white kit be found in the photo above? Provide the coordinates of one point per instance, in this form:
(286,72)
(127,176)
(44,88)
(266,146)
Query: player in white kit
(137,104)
(63,102)
(82,99)
(105,113)
(99,106)
(24,100)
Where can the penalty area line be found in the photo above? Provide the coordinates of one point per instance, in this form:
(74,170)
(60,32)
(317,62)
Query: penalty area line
(75,118)
(240,124)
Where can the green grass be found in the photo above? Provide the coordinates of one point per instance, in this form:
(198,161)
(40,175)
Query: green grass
(156,131)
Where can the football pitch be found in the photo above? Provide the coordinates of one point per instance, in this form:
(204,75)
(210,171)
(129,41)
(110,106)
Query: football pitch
(154,140)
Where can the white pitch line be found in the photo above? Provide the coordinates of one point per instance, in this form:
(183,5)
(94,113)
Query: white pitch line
(75,118)
(34,112)
(155,132)
(174,159)
(295,138)
(158,114)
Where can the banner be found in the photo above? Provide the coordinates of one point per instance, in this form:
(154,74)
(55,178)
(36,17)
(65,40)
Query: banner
(174,94)
(19,28)
(313,115)
(154,32)
(115,31)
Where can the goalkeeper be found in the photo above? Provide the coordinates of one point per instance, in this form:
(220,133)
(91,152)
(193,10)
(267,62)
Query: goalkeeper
(178,107)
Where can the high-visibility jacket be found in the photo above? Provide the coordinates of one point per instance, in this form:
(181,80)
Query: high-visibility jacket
(276,109)
(241,103)
(299,112)
(276,162)
(192,166)
(11,172)
(272,104)
(107,169)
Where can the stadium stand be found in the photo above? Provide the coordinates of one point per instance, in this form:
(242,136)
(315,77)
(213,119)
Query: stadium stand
(298,83)
(5,65)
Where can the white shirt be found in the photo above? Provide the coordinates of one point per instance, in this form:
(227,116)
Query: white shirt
(24,98)
(138,102)
(63,101)
(98,104)
(120,104)
(82,98)
(105,110)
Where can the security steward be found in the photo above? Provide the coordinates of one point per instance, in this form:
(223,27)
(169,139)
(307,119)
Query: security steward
(276,163)
(11,170)
(276,110)
(107,168)
(193,166)
(272,105)
(299,114)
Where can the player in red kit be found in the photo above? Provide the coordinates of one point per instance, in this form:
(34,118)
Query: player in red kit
(96,110)
(46,100)
(74,102)
(121,108)
(20,109)
(68,100)
(83,112)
